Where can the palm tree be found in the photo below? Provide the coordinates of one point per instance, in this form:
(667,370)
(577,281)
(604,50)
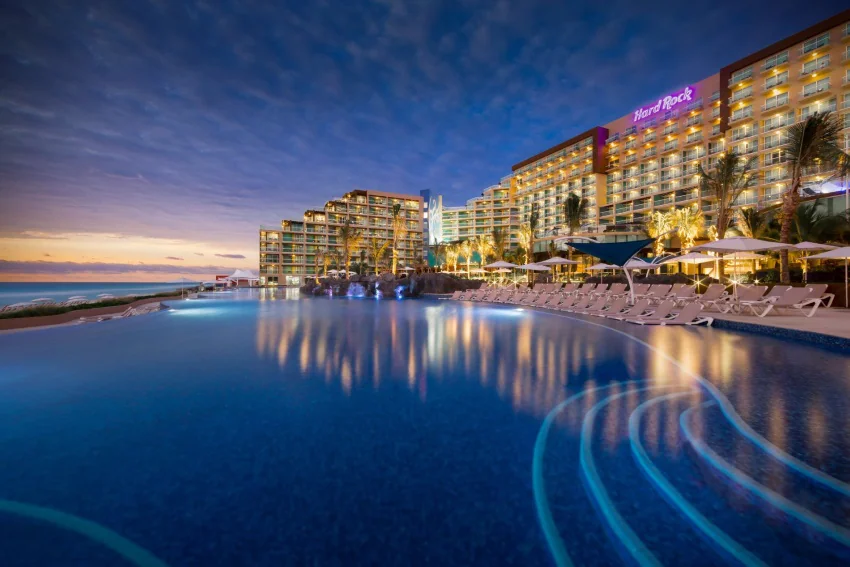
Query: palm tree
(750,222)
(452,253)
(659,223)
(575,208)
(377,250)
(730,176)
(812,223)
(439,251)
(466,249)
(399,229)
(527,231)
(500,239)
(320,258)
(812,142)
(690,221)
(484,247)
(350,238)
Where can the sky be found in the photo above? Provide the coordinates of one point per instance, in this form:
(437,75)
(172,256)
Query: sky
(147,140)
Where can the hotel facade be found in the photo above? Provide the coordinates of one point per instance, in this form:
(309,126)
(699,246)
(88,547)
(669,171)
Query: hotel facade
(629,168)
(295,249)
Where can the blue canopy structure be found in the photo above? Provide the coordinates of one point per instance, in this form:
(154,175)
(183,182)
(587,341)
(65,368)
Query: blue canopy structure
(617,253)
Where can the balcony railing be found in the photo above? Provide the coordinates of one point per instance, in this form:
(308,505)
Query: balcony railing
(806,93)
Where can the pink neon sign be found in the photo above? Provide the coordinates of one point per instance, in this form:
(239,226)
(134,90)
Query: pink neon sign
(666,103)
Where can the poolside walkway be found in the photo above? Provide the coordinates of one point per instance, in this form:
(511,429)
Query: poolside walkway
(832,322)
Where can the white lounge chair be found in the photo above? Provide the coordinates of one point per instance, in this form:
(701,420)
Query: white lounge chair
(689,315)
(661,312)
(797,298)
(614,307)
(819,291)
(636,310)
(715,297)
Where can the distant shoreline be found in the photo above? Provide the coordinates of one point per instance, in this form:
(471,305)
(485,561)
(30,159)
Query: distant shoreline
(71,316)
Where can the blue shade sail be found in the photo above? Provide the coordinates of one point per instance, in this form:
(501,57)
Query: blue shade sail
(617,253)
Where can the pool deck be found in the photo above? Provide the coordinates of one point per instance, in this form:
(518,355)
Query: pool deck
(829,322)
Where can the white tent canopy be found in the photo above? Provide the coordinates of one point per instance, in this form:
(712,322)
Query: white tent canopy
(242,275)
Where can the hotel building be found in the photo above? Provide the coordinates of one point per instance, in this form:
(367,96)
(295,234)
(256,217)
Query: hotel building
(627,169)
(292,251)
(648,160)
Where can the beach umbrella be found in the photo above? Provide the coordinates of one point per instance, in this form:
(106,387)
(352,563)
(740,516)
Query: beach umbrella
(638,264)
(533,268)
(601,266)
(837,254)
(690,258)
(503,271)
(557,260)
(807,247)
(182,282)
(739,244)
(743,256)
(501,264)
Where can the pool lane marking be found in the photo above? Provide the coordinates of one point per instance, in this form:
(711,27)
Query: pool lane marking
(544,513)
(815,521)
(674,497)
(729,411)
(122,546)
(621,529)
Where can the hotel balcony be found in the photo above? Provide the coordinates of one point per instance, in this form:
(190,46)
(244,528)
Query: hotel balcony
(742,78)
(845,82)
(845,57)
(811,93)
(808,71)
(769,87)
(779,102)
(819,47)
(743,94)
(662,201)
(766,68)
(741,117)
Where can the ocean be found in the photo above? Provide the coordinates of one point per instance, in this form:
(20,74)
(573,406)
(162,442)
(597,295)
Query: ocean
(60,291)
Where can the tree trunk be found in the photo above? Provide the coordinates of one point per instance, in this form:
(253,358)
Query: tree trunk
(721,232)
(789,205)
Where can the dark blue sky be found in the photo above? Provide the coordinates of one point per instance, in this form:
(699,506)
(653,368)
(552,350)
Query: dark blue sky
(200,120)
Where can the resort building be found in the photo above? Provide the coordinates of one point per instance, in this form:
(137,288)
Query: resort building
(627,169)
(648,160)
(296,249)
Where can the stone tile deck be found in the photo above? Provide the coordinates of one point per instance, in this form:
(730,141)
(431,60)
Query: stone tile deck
(832,322)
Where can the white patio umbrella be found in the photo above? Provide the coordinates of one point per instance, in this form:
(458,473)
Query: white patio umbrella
(739,244)
(557,260)
(837,254)
(500,264)
(601,266)
(806,248)
(408,269)
(533,267)
(503,271)
(638,264)
(690,258)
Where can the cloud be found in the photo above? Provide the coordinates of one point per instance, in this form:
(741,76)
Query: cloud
(43,267)
(198,254)
(231,256)
(174,258)
(46,255)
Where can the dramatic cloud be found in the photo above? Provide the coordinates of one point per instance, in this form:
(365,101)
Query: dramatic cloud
(41,267)
(231,256)
(174,258)
(198,121)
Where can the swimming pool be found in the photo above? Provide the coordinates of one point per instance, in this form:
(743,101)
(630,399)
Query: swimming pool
(266,431)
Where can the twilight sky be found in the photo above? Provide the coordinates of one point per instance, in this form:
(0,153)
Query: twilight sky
(147,140)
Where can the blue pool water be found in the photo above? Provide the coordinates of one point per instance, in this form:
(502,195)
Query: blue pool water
(260,430)
(60,291)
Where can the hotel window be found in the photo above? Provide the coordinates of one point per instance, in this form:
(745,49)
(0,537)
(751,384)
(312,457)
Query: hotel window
(778,121)
(776,101)
(775,60)
(815,64)
(775,140)
(741,94)
(776,80)
(715,112)
(845,101)
(715,96)
(715,147)
(773,158)
(816,87)
(693,137)
(693,120)
(741,75)
(815,43)
(670,128)
(741,113)
(744,131)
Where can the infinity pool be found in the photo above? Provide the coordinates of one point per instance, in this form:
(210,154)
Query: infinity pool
(266,430)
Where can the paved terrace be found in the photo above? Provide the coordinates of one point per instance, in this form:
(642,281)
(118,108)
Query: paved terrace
(833,322)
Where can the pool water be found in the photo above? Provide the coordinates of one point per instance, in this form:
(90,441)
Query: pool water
(264,429)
